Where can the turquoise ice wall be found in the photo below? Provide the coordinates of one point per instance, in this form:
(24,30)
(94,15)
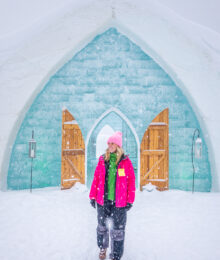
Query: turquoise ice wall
(111,71)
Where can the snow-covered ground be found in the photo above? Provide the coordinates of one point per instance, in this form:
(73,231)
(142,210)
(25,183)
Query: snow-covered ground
(50,224)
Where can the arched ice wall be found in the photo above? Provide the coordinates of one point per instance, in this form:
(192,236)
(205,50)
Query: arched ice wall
(110,71)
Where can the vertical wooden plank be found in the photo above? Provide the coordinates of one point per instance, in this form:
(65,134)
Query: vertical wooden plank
(166,162)
(63,140)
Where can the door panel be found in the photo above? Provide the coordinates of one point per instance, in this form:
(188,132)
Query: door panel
(155,153)
(73,152)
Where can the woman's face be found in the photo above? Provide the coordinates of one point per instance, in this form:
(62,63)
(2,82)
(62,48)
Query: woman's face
(112,147)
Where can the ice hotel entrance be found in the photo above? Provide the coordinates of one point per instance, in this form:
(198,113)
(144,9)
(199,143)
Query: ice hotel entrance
(153,164)
(73,148)
(110,84)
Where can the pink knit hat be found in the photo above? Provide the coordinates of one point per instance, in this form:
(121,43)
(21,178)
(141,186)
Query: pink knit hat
(116,138)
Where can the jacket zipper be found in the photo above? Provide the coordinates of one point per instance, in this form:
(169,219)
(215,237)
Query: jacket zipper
(116,193)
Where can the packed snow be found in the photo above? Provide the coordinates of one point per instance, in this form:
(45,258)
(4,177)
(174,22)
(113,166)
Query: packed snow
(50,224)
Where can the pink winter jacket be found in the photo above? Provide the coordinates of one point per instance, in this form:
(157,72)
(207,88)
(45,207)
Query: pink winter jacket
(125,183)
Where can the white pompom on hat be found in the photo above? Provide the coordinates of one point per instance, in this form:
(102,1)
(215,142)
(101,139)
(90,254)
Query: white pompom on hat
(116,138)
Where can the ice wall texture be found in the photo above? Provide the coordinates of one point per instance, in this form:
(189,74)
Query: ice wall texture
(111,71)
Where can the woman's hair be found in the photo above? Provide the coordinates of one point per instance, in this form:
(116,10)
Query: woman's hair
(119,153)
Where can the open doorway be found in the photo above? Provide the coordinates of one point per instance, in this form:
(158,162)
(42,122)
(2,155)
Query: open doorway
(97,141)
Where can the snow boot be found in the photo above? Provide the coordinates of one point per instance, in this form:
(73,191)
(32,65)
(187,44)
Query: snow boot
(102,253)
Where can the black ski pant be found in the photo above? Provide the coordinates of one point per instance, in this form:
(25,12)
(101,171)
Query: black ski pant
(118,216)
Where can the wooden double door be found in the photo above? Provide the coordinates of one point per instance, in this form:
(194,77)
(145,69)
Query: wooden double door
(154,153)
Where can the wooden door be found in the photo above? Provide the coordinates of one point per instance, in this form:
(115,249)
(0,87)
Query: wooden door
(73,152)
(155,153)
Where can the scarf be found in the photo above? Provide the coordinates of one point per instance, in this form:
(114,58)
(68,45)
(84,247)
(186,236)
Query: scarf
(112,176)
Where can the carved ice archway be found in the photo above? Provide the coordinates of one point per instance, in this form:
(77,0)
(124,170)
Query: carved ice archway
(156,58)
(117,111)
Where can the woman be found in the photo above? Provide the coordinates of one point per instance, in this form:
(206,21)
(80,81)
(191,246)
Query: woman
(113,190)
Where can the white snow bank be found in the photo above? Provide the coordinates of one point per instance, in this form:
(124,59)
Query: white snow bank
(56,225)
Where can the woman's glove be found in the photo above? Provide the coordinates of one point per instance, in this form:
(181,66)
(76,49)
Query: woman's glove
(128,206)
(92,202)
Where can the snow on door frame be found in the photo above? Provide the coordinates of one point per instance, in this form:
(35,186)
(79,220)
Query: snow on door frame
(117,111)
